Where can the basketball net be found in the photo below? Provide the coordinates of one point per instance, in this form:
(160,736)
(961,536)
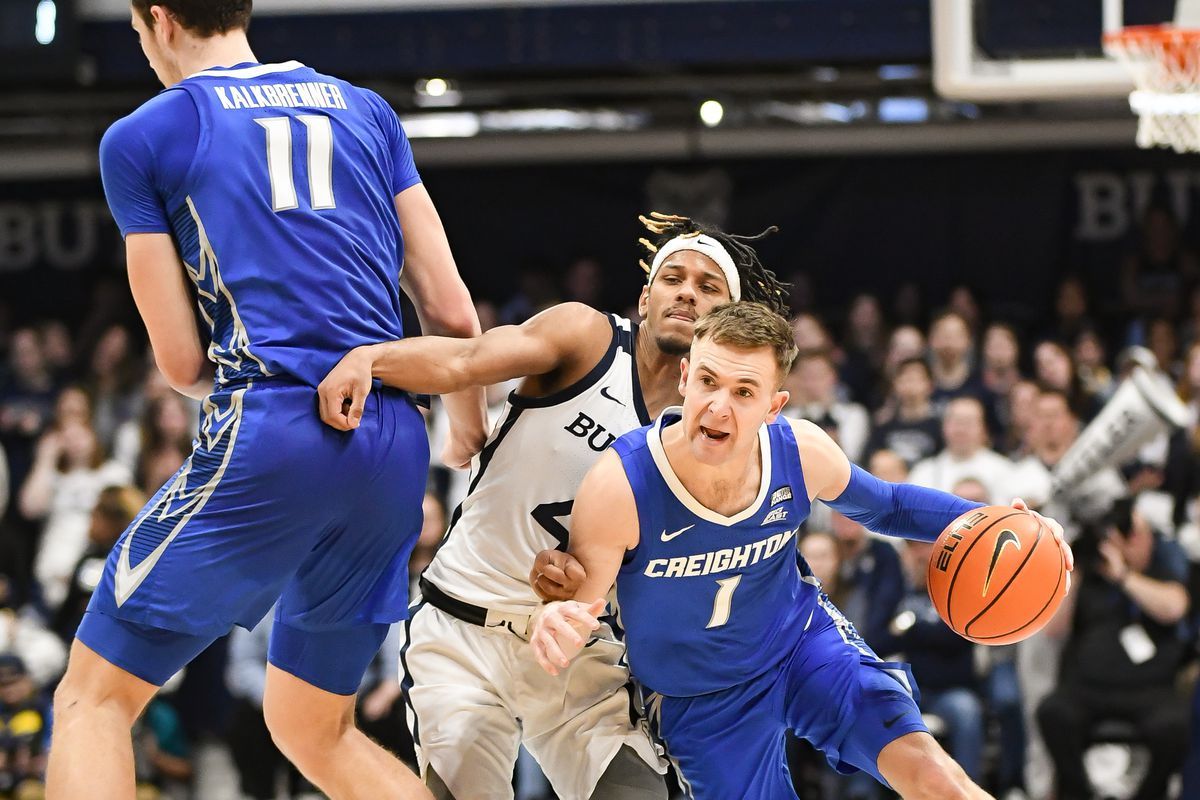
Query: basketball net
(1164,61)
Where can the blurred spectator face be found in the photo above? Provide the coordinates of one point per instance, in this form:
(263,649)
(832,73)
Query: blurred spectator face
(171,417)
(72,405)
(16,686)
(810,333)
(907,342)
(25,355)
(912,384)
(160,466)
(962,302)
(56,344)
(1071,301)
(115,508)
(972,490)
(156,386)
(963,428)
(1021,400)
(866,318)
(950,339)
(1000,348)
(1137,547)
(582,282)
(489,315)
(916,557)
(1052,365)
(1089,350)
(847,531)
(816,380)
(1054,424)
(819,549)
(111,350)
(79,445)
(887,466)
(1161,340)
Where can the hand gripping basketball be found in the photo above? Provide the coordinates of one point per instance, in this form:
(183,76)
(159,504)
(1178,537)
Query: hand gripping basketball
(999,573)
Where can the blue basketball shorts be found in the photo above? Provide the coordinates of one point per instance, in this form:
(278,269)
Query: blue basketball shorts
(272,505)
(831,690)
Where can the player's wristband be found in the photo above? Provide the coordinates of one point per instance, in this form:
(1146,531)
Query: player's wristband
(898,509)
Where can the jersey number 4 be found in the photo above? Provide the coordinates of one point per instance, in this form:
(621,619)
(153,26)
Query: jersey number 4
(279,161)
(547,515)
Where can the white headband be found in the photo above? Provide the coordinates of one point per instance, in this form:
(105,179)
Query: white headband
(705,244)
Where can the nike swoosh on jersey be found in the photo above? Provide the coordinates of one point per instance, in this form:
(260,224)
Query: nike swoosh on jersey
(604,393)
(1006,537)
(666,537)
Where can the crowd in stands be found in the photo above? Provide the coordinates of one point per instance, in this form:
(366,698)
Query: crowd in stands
(962,399)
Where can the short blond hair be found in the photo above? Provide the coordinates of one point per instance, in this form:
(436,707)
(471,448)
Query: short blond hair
(750,325)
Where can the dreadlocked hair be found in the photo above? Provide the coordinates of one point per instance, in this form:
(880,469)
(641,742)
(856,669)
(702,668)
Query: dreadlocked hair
(759,284)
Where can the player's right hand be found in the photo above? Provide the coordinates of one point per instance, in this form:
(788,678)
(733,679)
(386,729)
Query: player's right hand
(344,390)
(558,631)
(556,575)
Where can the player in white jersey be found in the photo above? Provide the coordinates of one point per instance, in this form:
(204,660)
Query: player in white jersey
(474,693)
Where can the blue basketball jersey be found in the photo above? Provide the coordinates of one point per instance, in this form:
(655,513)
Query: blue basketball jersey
(710,601)
(284,214)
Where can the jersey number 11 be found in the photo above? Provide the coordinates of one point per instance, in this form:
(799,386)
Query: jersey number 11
(279,161)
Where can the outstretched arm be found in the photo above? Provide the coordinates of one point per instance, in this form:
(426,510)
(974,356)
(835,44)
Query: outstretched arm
(604,525)
(894,509)
(438,365)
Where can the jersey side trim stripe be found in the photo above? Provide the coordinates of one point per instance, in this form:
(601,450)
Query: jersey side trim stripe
(406,683)
(630,346)
(578,387)
(228,354)
(484,458)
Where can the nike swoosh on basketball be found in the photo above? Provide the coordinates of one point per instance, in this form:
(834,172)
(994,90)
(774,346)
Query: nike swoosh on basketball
(1006,537)
(604,393)
(666,537)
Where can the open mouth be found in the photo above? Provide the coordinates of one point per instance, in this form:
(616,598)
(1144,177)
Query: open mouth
(716,436)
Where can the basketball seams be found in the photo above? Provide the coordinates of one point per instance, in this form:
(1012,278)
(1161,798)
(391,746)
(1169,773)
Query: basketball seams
(1062,571)
(995,599)
(966,553)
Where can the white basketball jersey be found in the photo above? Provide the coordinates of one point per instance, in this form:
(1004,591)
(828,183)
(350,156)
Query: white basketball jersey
(524,481)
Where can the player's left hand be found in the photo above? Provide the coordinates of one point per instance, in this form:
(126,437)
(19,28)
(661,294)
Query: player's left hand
(343,392)
(556,575)
(460,449)
(557,637)
(1057,530)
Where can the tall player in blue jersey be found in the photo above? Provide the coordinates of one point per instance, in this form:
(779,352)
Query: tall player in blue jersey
(695,519)
(286,201)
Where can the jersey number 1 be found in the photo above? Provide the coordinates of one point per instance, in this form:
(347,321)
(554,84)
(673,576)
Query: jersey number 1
(279,161)
(723,602)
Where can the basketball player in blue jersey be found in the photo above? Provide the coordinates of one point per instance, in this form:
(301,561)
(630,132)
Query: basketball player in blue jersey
(694,518)
(473,692)
(282,200)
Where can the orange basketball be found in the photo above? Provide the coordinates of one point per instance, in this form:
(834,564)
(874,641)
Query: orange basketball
(997,575)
